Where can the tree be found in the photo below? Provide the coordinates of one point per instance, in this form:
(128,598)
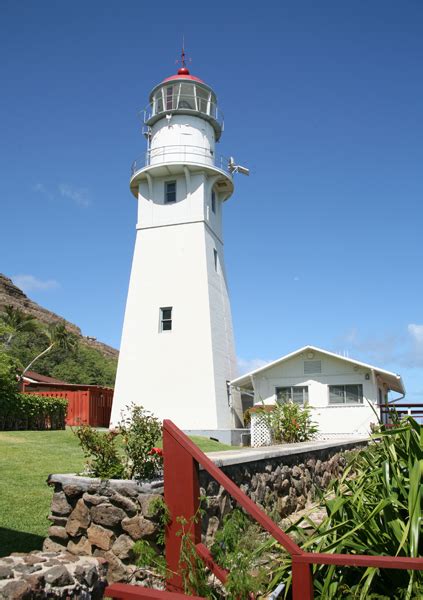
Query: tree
(15,321)
(59,337)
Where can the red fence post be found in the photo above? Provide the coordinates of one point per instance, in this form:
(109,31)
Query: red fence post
(302,581)
(181,494)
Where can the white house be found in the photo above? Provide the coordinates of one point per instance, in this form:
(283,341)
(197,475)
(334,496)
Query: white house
(343,392)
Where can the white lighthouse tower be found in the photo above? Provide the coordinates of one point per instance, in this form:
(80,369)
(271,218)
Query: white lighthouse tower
(177,351)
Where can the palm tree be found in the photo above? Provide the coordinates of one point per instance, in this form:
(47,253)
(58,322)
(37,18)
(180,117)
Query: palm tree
(16,321)
(59,337)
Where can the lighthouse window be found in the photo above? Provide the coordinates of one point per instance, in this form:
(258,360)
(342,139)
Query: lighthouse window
(166,318)
(213,201)
(170,191)
(169,97)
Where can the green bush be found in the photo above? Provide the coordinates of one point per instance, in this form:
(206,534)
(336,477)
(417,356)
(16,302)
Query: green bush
(30,411)
(289,422)
(104,458)
(141,431)
(130,451)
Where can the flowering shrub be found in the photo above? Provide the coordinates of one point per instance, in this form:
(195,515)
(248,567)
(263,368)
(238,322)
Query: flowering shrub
(289,422)
(129,451)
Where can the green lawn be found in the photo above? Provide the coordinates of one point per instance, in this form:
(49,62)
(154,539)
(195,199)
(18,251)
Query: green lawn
(26,459)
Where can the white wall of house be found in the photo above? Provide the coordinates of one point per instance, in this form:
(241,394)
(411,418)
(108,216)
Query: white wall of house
(334,419)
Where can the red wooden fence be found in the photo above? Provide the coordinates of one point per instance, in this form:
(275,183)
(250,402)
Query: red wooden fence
(90,405)
(181,487)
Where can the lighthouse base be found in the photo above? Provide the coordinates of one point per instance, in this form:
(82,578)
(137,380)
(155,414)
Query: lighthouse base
(231,437)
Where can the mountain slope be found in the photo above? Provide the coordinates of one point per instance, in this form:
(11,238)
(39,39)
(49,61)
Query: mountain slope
(11,294)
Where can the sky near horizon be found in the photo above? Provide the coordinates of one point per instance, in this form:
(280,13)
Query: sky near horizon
(323,101)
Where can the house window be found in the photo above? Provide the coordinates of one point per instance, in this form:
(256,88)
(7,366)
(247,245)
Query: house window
(297,394)
(213,201)
(170,191)
(166,318)
(346,394)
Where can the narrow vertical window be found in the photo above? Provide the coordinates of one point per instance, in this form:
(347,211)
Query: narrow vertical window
(166,318)
(169,97)
(213,201)
(215,258)
(170,192)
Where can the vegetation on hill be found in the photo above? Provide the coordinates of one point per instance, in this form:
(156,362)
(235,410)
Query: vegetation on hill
(59,356)
(84,365)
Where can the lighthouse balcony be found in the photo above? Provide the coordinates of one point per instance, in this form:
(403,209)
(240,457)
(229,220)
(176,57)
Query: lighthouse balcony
(171,160)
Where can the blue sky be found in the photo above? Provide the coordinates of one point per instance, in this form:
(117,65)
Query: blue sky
(322,100)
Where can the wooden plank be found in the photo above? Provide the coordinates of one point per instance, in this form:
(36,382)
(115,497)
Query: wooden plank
(123,591)
(205,555)
(242,498)
(361,560)
(182,498)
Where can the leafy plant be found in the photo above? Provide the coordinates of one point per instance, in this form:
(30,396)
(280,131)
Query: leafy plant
(58,336)
(147,557)
(290,422)
(30,411)
(192,569)
(15,321)
(104,458)
(238,548)
(141,432)
(375,512)
(129,451)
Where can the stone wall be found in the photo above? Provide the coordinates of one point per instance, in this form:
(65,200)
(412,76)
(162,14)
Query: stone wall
(281,485)
(51,575)
(105,518)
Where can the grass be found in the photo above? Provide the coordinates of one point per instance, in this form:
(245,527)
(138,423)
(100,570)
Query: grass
(26,460)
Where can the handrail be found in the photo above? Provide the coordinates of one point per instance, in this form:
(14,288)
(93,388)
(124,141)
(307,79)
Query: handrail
(181,461)
(183,153)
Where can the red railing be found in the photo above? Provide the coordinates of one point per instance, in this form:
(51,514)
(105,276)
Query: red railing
(182,492)
(401,410)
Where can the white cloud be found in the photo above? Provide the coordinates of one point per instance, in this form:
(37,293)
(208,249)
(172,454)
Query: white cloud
(416,332)
(78,195)
(247,365)
(30,283)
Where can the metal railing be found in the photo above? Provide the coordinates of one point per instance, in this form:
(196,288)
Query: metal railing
(182,496)
(180,153)
(183,103)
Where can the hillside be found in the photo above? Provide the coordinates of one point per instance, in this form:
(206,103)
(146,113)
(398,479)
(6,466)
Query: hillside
(11,294)
(91,363)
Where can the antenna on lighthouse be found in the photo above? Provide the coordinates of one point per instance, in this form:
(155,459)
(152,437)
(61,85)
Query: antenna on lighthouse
(233,168)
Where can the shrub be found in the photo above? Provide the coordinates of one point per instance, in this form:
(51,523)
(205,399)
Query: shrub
(30,411)
(130,451)
(100,449)
(141,431)
(289,422)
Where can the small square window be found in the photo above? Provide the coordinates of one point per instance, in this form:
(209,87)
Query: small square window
(166,318)
(170,192)
(213,201)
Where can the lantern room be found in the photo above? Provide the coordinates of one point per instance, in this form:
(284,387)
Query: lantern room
(186,95)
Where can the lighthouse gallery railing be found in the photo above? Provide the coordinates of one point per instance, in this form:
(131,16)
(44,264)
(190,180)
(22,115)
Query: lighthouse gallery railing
(180,153)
